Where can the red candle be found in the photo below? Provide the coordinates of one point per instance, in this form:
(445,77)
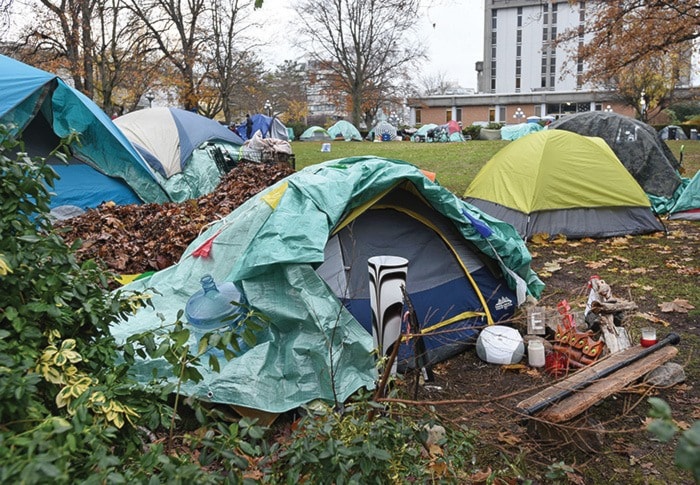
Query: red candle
(648,337)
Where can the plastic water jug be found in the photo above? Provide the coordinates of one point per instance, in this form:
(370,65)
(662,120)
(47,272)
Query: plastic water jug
(208,307)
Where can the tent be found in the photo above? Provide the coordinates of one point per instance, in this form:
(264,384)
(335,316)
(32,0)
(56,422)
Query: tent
(687,205)
(345,130)
(290,247)
(178,144)
(315,133)
(268,126)
(636,144)
(383,131)
(558,182)
(424,133)
(104,166)
(513,132)
(672,132)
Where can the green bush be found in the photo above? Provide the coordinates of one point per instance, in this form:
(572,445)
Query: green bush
(366,443)
(472,131)
(68,408)
(664,428)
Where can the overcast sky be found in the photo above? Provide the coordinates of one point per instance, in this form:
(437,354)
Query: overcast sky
(453,30)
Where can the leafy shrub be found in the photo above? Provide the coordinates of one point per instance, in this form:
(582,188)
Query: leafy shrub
(353,446)
(664,429)
(68,408)
(472,131)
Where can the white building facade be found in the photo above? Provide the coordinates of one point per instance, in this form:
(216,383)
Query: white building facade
(523,72)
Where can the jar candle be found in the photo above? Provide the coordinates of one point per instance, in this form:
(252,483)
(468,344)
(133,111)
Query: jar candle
(648,337)
(535,353)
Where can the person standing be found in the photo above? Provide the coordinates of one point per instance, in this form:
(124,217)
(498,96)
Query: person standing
(248,127)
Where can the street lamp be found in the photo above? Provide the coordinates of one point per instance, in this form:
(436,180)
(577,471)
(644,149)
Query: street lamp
(643,104)
(608,109)
(268,107)
(150,97)
(519,115)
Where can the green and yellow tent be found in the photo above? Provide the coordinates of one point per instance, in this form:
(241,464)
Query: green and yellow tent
(559,182)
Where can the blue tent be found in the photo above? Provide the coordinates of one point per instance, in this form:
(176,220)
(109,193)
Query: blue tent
(268,126)
(104,165)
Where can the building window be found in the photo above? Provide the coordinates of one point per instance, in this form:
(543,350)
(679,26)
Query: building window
(418,115)
(458,114)
(502,113)
(448,115)
(492,115)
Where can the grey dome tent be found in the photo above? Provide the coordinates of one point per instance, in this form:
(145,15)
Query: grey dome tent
(638,146)
(672,132)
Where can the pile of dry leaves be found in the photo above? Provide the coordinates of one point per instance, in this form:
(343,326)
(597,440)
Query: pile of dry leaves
(131,239)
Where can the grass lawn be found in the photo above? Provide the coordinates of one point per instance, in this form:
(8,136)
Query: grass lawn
(455,164)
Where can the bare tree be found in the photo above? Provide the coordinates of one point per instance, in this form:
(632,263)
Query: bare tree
(125,64)
(362,45)
(5,10)
(227,55)
(62,38)
(288,88)
(179,30)
(435,84)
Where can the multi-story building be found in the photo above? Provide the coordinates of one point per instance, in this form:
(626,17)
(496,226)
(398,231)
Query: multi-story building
(523,73)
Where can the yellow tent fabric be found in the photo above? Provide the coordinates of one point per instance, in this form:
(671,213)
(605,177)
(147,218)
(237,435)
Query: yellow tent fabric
(557,169)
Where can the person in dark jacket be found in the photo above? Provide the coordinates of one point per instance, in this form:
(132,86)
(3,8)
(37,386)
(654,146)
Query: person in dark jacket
(248,127)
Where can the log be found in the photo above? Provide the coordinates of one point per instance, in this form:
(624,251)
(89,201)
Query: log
(604,368)
(613,306)
(588,396)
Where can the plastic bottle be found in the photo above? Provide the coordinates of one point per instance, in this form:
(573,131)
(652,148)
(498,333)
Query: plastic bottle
(208,307)
(535,353)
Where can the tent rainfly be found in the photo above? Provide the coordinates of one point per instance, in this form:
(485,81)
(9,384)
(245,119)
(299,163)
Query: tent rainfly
(345,130)
(637,145)
(175,143)
(558,182)
(104,165)
(315,133)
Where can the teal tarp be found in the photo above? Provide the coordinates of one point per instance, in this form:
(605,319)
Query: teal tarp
(345,130)
(513,132)
(687,205)
(269,247)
